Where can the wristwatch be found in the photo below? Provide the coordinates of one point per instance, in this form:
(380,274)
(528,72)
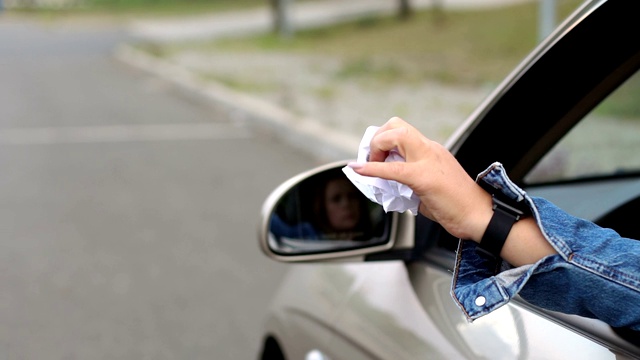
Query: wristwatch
(506,212)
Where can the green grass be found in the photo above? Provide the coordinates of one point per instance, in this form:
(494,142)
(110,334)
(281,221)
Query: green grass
(623,103)
(476,48)
(471,47)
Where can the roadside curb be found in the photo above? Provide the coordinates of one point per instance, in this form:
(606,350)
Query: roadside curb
(309,135)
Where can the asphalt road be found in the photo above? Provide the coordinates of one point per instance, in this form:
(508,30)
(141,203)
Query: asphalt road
(127,212)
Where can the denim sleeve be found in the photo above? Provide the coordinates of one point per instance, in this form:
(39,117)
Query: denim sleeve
(595,274)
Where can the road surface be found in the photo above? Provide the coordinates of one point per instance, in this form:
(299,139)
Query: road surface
(128,211)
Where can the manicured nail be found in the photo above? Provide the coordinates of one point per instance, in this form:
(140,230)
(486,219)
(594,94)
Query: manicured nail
(355,165)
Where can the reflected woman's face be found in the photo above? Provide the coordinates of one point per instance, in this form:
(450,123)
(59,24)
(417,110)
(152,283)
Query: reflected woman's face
(342,204)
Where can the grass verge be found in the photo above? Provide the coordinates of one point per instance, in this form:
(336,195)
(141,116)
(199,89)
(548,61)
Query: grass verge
(468,47)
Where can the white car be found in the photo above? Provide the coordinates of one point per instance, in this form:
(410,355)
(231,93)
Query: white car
(566,126)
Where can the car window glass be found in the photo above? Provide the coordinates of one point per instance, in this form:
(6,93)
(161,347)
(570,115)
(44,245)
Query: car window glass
(603,143)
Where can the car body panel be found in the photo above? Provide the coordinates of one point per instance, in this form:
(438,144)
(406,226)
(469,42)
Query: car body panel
(384,310)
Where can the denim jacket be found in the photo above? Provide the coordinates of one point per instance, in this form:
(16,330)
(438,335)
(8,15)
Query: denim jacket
(595,274)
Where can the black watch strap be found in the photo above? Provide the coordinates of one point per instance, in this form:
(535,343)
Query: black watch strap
(504,216)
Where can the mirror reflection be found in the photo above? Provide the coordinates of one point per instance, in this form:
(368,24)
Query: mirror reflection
(325,212)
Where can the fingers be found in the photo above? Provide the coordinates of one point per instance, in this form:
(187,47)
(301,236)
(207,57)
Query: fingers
(394,134)
(385,141)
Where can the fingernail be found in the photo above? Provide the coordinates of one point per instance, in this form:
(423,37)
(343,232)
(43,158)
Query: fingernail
(355,165)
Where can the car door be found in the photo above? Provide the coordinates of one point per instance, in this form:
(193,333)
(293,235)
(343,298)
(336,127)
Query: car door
(566,125)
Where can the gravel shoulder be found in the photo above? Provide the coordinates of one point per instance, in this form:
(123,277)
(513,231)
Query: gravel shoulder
(308,87)
(308,93)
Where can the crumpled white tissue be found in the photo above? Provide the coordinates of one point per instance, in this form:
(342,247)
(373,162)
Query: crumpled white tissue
(392,195)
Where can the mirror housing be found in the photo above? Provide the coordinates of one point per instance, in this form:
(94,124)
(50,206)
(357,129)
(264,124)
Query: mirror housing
(319,215)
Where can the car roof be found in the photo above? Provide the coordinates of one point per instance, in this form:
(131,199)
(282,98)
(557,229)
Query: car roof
(577,66)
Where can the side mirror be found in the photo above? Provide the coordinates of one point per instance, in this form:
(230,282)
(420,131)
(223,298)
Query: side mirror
(320,215)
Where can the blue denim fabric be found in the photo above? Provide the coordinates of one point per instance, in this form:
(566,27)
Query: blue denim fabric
(595,274)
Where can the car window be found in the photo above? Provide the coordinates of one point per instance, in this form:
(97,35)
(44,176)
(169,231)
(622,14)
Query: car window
(606,142)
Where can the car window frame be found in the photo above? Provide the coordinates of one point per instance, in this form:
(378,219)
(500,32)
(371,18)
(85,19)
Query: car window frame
(526,149)
(544,97)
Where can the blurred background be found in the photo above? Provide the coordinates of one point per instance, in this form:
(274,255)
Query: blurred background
(139,138)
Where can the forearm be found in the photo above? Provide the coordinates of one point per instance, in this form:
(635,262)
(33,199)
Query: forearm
(526,244)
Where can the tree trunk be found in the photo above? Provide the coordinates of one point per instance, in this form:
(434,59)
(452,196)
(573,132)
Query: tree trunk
(281,21)
(437,9)
(404,11)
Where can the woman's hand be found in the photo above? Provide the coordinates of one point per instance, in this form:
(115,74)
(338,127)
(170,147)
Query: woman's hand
(447,193)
